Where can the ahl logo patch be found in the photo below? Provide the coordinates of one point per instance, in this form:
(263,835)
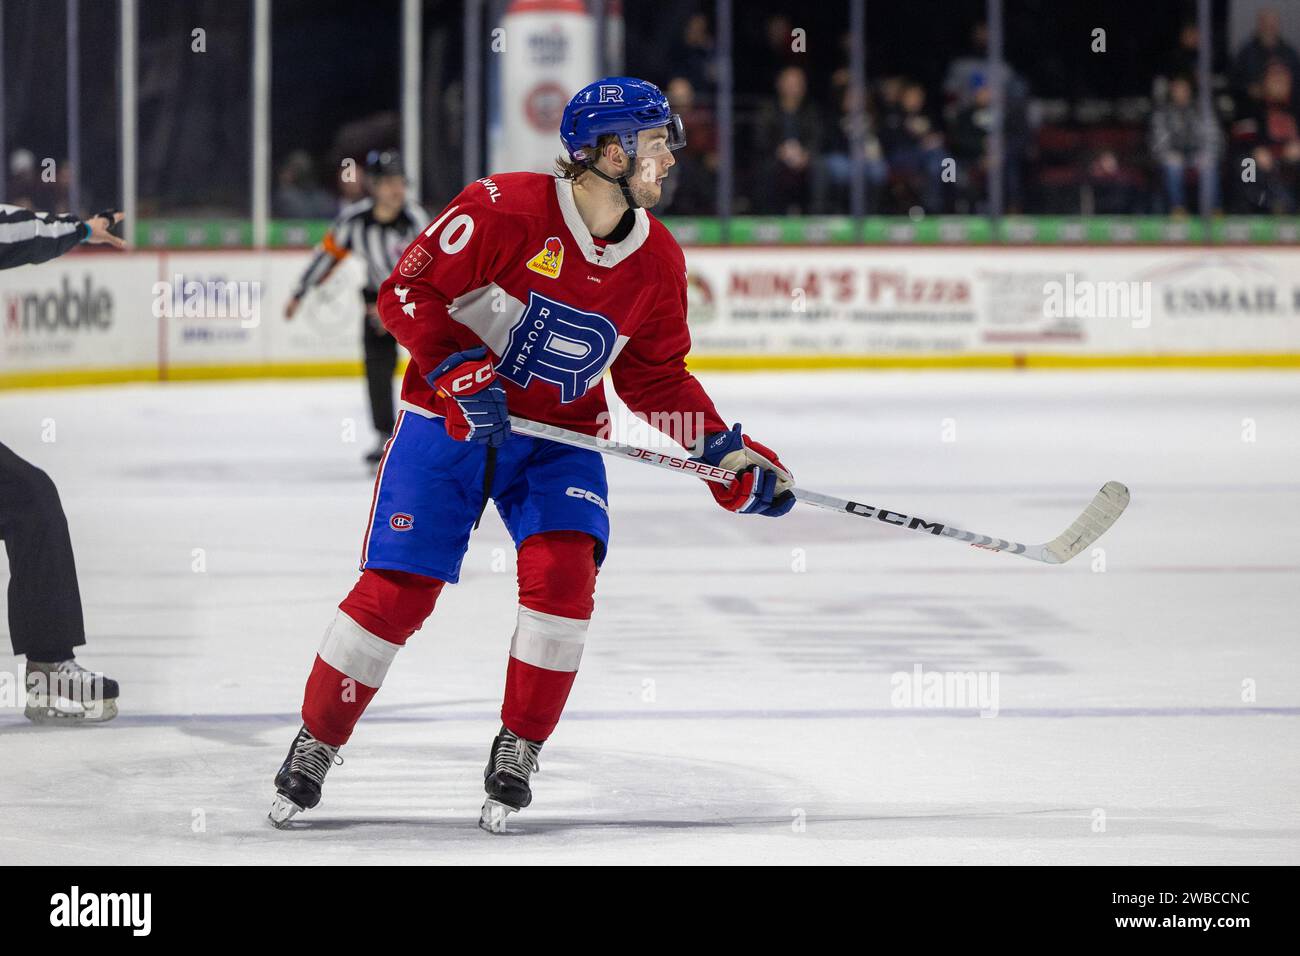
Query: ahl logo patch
(413,262)
(401,522)
(549,260)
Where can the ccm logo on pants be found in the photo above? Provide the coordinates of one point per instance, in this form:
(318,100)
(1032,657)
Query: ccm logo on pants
(591,496)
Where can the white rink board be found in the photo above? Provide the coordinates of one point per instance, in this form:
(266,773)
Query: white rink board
(953,301)
(79,311)
(745,302)
(326,328)
(141,325)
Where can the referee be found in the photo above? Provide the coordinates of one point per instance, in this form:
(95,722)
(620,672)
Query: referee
(376,229)
(45,621)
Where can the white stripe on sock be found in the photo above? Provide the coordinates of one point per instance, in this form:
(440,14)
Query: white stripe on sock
(351,649)
(548,640)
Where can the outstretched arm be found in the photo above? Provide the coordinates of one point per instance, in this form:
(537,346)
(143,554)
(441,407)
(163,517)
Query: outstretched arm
(28,238)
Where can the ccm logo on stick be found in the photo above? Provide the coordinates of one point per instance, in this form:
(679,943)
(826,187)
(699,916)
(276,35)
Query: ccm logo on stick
(894,517)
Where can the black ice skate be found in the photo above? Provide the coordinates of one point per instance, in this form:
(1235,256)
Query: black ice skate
(298,783)
(510,765)
(65,692)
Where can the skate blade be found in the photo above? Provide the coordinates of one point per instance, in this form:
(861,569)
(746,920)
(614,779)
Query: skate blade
(67,712)
(493,816)
(282,811)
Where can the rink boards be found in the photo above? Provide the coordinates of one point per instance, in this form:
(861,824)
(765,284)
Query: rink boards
(95,316)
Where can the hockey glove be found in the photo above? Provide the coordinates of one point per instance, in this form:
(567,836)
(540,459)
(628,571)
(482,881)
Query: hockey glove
(473,401)
(762,484)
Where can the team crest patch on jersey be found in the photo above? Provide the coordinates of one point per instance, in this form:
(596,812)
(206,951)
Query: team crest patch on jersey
(401,522)
(413,262)
(549,260)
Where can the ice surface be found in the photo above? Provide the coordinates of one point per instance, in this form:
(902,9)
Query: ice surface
(730,707)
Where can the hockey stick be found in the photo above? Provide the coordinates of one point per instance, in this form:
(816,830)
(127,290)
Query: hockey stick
(1102,512)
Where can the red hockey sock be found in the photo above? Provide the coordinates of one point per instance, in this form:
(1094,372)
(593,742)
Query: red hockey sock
(557,581)
(384,609)
(333,702)
(392,604)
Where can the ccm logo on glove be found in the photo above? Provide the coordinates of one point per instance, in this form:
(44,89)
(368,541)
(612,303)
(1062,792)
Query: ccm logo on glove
(471,381)
(473,400)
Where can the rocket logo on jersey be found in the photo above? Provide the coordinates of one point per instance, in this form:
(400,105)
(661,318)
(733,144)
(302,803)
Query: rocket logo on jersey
(413,262)
(558,344)
(549,260)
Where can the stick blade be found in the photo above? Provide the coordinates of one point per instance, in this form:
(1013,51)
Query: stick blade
(1102,512)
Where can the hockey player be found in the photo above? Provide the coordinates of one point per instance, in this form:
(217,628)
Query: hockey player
(45,620)
(375,230)
(517,299)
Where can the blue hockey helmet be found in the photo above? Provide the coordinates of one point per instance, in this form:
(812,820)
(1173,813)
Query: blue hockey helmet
(622,105)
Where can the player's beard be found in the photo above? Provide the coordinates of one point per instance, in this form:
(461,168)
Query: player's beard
(646,192)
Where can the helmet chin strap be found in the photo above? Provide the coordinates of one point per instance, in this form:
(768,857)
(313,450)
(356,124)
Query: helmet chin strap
(620,182)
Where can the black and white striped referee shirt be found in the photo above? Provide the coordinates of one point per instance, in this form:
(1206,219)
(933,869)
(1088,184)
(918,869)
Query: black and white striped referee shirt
(378,244)
(27,237)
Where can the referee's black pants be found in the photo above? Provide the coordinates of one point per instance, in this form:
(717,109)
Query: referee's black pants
(45,620)
(381,362)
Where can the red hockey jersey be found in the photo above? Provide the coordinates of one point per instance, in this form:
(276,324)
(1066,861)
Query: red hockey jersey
(510,264)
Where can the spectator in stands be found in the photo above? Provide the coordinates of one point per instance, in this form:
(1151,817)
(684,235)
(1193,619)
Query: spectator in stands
(1265,47)
(693,58)
(1110,185)
(889,95)
(968,87)
(1185,58)
(957,81)
(833,175)
(298,195)
(697,118)
(968,135)
(1179,139)
(779,40)
(1272,136)
(692,188)
(913,147)
(35,186)
(788,138)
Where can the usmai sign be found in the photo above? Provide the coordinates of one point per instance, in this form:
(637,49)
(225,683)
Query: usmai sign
(873,301)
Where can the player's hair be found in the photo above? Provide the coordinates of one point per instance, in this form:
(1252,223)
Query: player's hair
(566,168)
